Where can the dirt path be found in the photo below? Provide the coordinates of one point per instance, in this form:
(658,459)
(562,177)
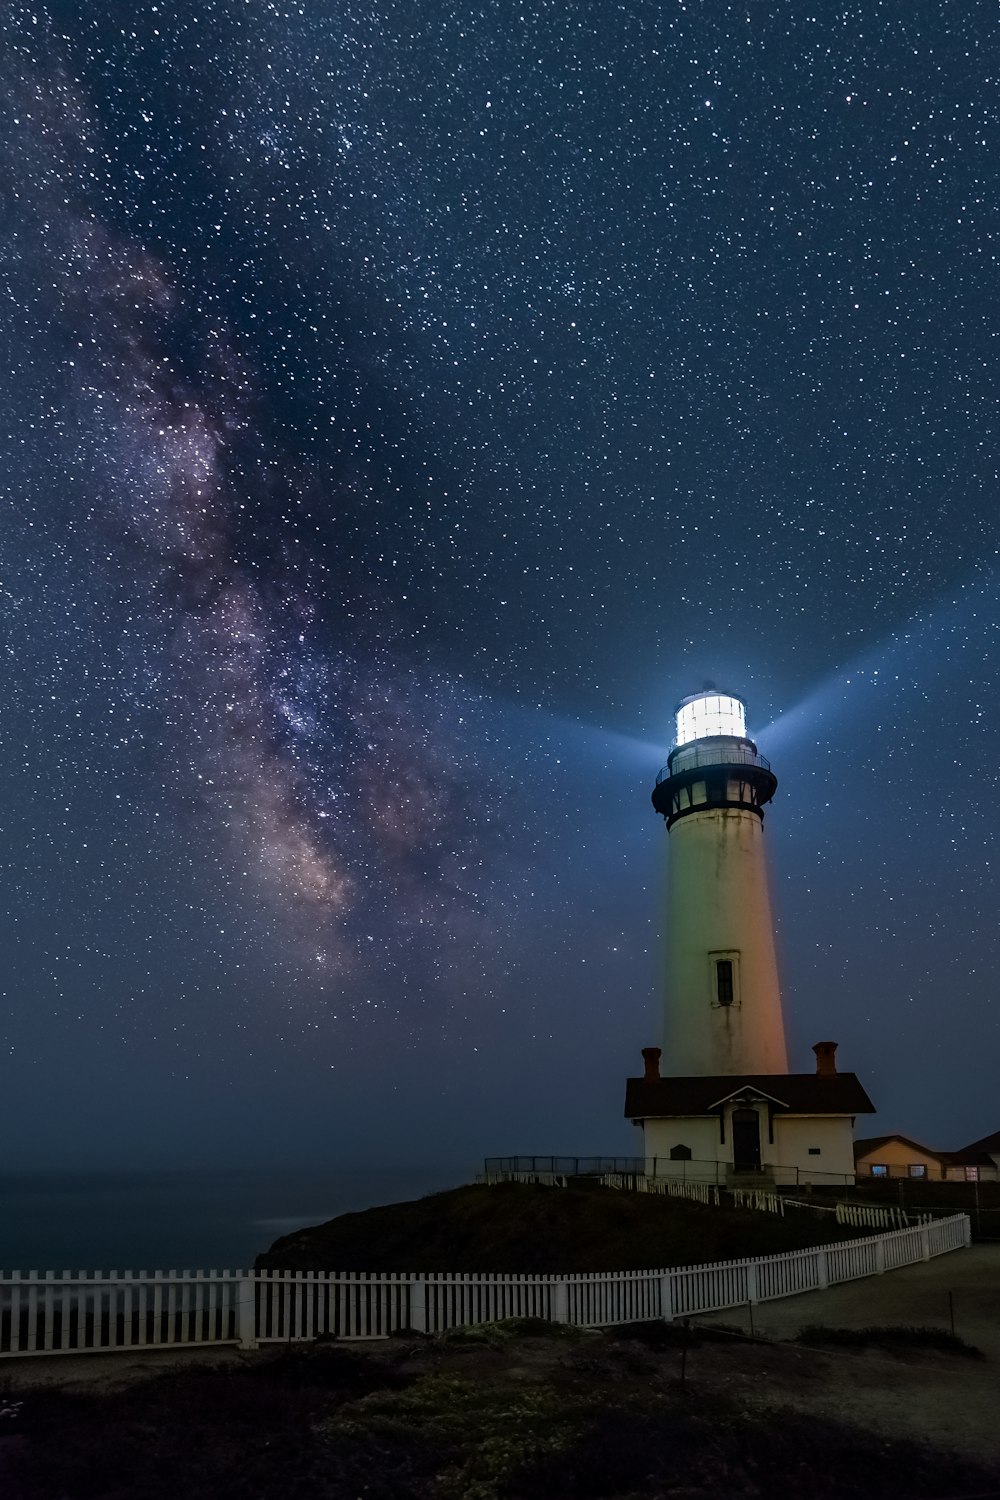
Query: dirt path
(915,1295)
(944,1399)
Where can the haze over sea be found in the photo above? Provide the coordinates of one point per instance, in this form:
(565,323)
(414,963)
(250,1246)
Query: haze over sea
(185,1220)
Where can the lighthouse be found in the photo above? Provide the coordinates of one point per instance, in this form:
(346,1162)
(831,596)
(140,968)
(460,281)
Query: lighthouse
(723,1003)
(726,1104)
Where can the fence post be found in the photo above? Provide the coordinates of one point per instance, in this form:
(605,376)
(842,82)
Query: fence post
(822,1271)
(666,1302)
(246,1312)
(879,1256)
(418,1306)
(925,1244)
(752,1289)
(560,1302)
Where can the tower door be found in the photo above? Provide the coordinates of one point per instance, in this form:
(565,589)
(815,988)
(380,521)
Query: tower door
(746,1140)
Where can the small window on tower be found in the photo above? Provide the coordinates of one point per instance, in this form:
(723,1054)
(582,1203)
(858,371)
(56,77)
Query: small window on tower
(724,981)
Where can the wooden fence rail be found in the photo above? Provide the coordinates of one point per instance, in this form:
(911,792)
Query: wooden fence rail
(61,1313)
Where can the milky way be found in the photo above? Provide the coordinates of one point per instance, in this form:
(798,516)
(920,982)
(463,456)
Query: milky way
(407,403)
(333,764)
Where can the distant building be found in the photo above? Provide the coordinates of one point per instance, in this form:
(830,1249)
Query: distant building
(898,1156)
(727,1105)
(981,1155)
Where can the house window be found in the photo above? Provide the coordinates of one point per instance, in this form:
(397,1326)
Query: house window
(879,1169)
(972,1174)
(680,1153)
(917,1169)
(815,1150)
(724,981)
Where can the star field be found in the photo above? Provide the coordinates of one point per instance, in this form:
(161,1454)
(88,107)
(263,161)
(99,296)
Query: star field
(406,404)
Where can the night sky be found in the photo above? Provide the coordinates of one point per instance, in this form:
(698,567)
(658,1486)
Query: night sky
(406,403)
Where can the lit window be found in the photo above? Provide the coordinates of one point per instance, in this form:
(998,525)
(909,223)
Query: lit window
(917,1169)
(724,981)
(879,1169)
(972,1174)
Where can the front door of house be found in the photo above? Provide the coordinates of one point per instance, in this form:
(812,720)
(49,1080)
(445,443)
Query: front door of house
(746,1140)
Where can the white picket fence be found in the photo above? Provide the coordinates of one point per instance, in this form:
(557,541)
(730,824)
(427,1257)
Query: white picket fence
(760,1199)
(665,1187)
(51,1313)
(858,1215)
(872,1216)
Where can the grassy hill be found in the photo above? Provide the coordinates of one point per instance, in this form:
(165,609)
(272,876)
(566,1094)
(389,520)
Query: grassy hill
(524,1227)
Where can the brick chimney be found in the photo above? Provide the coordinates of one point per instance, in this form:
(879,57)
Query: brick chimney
(826,1059)
(651,1062)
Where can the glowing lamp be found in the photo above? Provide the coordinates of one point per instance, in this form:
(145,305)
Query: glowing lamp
(707,715)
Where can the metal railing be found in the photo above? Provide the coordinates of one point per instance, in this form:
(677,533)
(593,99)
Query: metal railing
(718,1172)
(691,758)
(564,1166)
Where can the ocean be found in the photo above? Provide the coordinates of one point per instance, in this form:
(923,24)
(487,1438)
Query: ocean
(183,1220)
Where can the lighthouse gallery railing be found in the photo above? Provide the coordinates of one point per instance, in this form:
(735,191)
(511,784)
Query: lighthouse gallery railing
(59,1313)
(693,756)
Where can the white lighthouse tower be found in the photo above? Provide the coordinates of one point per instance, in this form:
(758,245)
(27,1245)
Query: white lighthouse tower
(726,1104)
(723,1004)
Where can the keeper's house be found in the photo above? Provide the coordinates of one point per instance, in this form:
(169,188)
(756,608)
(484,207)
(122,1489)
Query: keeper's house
(789,1127)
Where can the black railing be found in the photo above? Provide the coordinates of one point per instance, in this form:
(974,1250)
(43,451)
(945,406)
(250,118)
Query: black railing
(680,1169)
(566,1166)
(690,758)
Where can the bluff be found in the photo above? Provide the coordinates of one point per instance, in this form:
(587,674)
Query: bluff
(530,1228)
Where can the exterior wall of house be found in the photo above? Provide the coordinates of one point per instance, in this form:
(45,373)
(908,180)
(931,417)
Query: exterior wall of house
(898,1156)
(798,1137)
(789,1154)
(710,1158)
(983,1174)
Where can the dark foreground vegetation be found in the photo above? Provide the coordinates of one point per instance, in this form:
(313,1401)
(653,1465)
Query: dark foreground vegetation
(528,1228)
(510,1412)
(901,1340)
